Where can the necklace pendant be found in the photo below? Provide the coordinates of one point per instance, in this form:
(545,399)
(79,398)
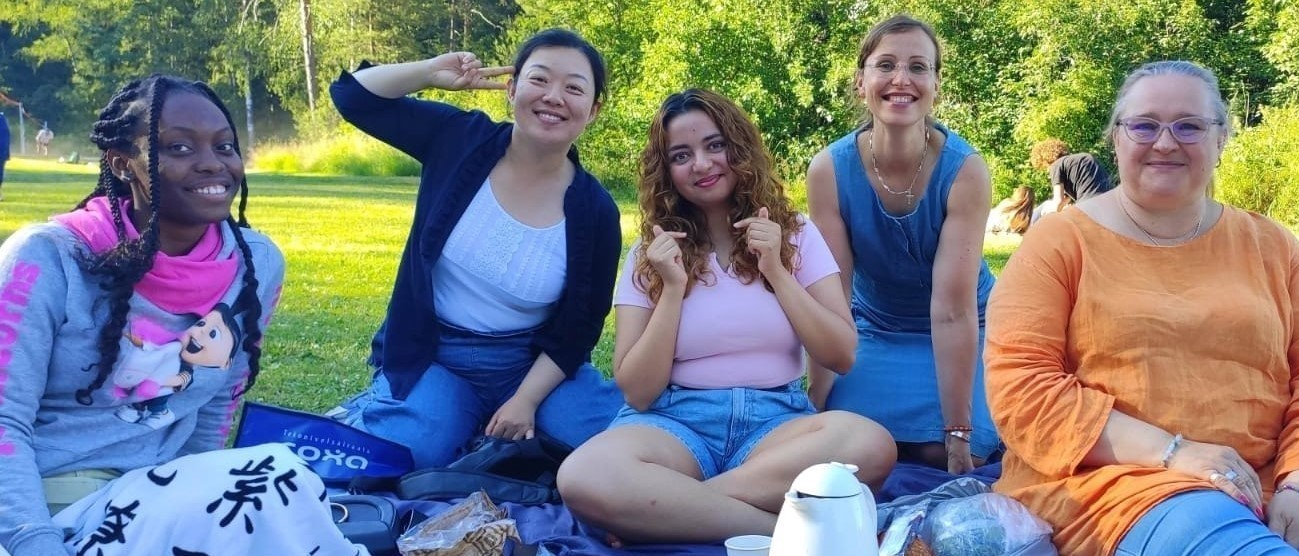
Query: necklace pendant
(924,153)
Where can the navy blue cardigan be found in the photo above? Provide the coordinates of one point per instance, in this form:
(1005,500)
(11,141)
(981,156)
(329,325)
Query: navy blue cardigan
(458,149)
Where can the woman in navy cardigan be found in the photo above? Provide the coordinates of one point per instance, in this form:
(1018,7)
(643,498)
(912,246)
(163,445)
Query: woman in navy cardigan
(508,271)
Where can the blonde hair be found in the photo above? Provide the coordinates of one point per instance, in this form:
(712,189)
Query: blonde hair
(1170,67)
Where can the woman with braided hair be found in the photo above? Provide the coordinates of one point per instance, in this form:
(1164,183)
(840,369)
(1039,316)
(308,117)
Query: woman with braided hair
(85,300)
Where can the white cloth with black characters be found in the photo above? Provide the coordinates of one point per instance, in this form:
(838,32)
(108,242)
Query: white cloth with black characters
(256,500)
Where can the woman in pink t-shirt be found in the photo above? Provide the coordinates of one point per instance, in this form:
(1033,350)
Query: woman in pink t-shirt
(726,289)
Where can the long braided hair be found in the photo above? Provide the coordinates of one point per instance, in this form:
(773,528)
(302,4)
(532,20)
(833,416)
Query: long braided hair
(135,109)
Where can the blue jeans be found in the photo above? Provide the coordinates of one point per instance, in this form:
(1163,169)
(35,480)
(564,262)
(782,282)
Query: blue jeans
(1205,522)
(474,375)
(720,427)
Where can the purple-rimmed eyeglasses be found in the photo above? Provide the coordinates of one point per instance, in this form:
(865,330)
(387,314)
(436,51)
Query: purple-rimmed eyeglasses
(1188,130)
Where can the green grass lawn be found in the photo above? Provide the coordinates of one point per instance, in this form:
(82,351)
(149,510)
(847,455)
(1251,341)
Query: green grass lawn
(341,237)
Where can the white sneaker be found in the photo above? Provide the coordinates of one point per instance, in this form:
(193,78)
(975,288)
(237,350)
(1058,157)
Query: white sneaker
(128,413)
(158,419)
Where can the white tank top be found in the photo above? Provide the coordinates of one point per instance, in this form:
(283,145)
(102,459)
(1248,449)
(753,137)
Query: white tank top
(497,274)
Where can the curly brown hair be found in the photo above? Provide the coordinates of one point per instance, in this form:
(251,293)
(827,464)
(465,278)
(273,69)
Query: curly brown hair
(1046,151)
(756,186)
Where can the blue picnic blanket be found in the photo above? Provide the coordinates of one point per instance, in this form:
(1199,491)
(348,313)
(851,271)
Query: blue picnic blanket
(909,478)
(553,528)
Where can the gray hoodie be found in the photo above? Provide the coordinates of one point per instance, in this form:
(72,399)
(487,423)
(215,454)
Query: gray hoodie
(50,314)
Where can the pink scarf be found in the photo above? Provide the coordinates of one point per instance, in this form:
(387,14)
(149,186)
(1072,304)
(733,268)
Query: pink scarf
(191,283)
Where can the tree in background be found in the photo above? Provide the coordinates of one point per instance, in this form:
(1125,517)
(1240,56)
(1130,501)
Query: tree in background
(345,32)
(1014,72)
(35,86)
(770,56)
(1277,24)
(251,49)
(99,41)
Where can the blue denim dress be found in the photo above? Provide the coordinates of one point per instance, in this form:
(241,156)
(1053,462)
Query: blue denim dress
(894,381)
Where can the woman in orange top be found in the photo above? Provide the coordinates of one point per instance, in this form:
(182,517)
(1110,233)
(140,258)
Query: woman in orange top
(1142,352)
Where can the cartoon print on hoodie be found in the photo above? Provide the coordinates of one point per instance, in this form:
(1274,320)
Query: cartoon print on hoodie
(151,368)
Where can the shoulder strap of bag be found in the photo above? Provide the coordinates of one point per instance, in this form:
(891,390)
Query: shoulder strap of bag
(446,484)
(522,472)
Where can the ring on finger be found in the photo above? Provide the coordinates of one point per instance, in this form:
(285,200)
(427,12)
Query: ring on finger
(1216,477)
(1231,475)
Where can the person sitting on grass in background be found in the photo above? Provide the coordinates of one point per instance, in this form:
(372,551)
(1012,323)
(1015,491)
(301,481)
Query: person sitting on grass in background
(1074,177)
(150,248)
(508,273)
(1143,348)
(726,288)
(1013,214)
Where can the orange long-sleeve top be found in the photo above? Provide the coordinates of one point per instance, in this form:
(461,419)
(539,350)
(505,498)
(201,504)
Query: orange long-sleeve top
(1198,339)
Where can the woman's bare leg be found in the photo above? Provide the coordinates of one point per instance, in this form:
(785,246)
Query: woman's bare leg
(642,485)
(838,436)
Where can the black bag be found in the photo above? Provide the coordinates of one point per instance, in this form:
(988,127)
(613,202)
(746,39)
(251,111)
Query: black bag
(367,520)
(518,471)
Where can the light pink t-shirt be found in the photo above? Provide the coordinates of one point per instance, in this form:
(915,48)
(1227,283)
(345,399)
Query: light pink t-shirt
(734,334)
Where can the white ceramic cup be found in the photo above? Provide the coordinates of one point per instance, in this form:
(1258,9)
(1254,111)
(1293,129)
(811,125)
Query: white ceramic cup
(748,545)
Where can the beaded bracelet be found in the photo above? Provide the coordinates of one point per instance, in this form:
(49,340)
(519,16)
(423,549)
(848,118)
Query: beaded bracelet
(962,428)
(1290,487)
(1168,452)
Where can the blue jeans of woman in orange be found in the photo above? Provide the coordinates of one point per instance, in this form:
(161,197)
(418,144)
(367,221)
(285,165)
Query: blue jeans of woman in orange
(1202,522)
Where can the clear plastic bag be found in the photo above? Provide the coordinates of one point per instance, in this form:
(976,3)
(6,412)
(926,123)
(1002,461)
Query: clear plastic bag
(986,524)
(473,527)
(955,488)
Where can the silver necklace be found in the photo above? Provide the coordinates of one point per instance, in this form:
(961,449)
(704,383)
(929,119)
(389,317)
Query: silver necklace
(1175,240)
(924,153)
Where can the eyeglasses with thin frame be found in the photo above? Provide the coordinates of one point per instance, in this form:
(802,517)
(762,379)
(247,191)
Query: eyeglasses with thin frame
(889,67)
(1187,131)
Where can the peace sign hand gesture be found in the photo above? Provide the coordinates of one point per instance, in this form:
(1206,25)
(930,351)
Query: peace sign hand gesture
(458,71)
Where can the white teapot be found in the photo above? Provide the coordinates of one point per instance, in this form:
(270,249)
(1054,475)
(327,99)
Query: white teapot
(827,512)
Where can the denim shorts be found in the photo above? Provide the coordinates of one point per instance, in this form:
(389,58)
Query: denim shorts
(720,427)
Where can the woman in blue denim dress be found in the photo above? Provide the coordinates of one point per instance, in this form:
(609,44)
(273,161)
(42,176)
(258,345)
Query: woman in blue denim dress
(903,202)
